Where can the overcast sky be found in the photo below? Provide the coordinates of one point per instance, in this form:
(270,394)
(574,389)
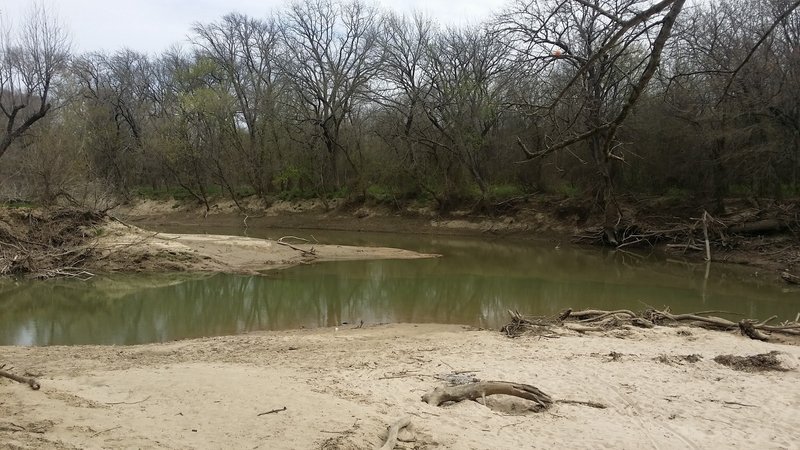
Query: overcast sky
(154,25)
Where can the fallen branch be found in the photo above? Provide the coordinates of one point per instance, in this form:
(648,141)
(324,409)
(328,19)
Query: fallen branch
(106,431)
(130,403)
(602,314)
(581,328)
(20,379)
(594,320)
(597,314)
(746,328)
(394,430)
(789,278)
(758,227)
(483,389)
(310,252)
(657,316)
(580,402)
(273,411)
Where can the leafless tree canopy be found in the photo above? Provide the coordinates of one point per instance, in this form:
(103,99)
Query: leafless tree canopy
(32,55)
(588,99)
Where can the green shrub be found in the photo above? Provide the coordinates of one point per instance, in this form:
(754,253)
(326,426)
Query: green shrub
(567,190)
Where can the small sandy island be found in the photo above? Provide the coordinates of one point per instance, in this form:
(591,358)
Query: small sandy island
(341,388)
(122,247)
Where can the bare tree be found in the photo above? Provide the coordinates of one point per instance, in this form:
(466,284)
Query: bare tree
(116,91)
(607,51)
(245,50)
(331,55)
(467,76)
(401,91)
(31,58)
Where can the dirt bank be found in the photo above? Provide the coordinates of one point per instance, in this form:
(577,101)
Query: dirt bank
(661,225)
(341,388)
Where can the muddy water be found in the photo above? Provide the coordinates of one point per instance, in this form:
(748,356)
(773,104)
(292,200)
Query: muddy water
(475,283)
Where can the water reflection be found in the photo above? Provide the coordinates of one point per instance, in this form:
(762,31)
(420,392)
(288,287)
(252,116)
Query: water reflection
(475,283)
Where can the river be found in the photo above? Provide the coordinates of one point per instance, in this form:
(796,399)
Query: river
(475,282)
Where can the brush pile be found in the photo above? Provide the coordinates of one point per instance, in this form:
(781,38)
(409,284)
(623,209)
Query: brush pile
(599,320)
(47,244)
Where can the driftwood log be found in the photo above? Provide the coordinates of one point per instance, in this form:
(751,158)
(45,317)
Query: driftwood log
(758,227)
(20,379)
(394,430)
(789,278)
(599,320)
(746,327)
(309,252)
(483,389)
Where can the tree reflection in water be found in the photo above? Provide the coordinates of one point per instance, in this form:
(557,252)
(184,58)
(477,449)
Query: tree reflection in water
(474,283)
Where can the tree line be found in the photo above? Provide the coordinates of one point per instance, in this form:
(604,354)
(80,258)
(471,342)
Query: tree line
(584,98)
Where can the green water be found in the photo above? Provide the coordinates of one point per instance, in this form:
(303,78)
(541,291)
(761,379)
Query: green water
(474,283)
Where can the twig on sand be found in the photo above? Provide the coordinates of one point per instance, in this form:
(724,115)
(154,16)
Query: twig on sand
(130,403)
(105,431)
(272,411)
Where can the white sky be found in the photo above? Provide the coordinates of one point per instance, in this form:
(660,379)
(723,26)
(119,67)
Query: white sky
(153,25)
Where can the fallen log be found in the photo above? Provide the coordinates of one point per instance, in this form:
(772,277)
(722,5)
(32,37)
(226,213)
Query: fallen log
(789,278)
(642,322)
(581,328)
(20,379)
(599,320)
(593,313)
(710,320)
(746,328)
(483,389)
(310,252)
(599,315)
(758,227)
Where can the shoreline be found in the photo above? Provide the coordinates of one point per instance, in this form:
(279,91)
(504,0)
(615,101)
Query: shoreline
(125,248)
(342,387)
(776,254)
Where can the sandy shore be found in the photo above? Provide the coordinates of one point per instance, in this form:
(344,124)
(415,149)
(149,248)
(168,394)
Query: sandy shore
(123,247)
(341,388)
